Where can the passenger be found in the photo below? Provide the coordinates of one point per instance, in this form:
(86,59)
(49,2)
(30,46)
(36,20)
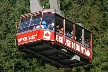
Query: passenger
(40,26)
(44,24)
(85,42)
(51,26)
(57,28)
(88,44)
(61,31)
(72,35)
(81,40)
(30,27)
(68,34)
(34,27)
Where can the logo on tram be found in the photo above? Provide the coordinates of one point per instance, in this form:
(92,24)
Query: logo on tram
(47,35)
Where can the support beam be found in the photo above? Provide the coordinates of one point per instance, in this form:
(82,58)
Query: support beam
(55,4)
(35,6)
(83,37)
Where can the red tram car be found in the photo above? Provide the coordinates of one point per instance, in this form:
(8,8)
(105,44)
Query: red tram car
(54,39)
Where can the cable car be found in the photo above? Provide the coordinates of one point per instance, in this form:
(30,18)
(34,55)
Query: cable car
(54,39)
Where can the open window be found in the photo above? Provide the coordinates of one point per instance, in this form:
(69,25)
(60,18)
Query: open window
(68,29)
(87,37)
(48,21)
(59,24)
(83,36)
(78,33)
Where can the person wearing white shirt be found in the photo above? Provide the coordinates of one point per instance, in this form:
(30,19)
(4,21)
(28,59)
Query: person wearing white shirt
(51,26)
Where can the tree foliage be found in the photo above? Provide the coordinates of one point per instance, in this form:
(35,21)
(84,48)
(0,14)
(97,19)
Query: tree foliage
(92,13)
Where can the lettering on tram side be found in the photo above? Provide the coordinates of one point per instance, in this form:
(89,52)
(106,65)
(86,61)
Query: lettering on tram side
(28,38)
(59,39)
(32,37)
(73,45)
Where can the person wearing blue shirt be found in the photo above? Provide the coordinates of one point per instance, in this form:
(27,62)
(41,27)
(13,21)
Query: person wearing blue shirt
(44,24)
(68,34)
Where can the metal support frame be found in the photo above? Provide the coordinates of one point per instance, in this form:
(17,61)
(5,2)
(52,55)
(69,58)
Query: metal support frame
(83,37)
(73,26)
(35,5)
(91,42)
(55,4)
(64,29)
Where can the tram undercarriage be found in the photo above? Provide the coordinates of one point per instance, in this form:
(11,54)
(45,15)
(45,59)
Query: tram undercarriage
(55,54)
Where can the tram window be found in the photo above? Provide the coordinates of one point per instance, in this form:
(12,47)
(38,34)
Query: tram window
(87,38)
(68,29)
(31,27)
(20,30)
(36,20)
(59,24)
(21,25)
(48,21)
(25,29)
(27,23)
(24,24)
(26,19)
(78,33)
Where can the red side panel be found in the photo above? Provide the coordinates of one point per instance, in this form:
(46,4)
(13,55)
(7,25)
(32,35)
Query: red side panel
(34,36)
(73,45)
(27,37)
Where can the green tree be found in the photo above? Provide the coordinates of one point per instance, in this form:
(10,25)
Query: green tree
(92,13)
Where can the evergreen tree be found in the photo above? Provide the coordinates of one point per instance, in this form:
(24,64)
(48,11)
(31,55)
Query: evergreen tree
(92,13)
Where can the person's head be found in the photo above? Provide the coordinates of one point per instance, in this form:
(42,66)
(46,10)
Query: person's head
(44,22)
(61,30)
(57,26)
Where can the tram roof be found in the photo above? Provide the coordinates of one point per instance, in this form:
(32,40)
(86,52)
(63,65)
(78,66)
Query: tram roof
(39,12)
